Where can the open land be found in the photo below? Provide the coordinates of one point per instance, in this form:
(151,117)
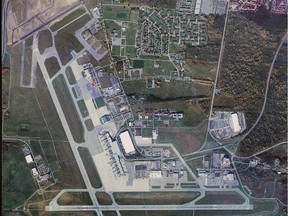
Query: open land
(15,168)
(45,40)
(154,198)
(75,198)
(69,108)
(90,167)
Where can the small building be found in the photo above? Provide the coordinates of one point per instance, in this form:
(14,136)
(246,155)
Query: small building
(29,159)
(34,172)
(127,143)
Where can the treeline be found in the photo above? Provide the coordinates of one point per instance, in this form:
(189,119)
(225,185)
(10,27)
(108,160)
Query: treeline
(272,127)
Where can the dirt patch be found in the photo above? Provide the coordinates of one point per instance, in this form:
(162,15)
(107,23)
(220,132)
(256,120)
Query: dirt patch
(24,19)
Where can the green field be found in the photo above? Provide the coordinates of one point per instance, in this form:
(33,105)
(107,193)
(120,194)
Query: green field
(103,198)
(74,93)
(70,76)
(75,198)
(131,33)
(147,132)
(65,41)
(17,182)
(99,102)
(221,197)
(201,71)
(45,40)
(168,90)
(52,66)
(138,64)
(165,68)
(69,108)
(116,50)
(27,66)
(109,213)
(185,140)
(29,112)
(154,198)
(89,124)
(83,109)
(67,19)
(130,51)
(90,167)
(116,12)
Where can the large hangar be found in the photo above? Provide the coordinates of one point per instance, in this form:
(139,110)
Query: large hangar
(127,143)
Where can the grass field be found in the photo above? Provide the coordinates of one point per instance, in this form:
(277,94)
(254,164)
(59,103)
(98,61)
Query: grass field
(17,182)
(70,76)
(130,51)
(82,106)
(75,198)
(185,140)
(99,102)
(109,213)
(48,108)
(171,90)
(27,66)
(89,124)
(69,175)
(201,71)
(103,198)
(90,167)
(45,40)
(165,68)
(221,197)
(131,33)
(69,108)
(48,148)
(67,19)
(29,111)
(52,66)
(116,50)
(116,12)
(194,164)
(154,198)
(138,63)
(65,41)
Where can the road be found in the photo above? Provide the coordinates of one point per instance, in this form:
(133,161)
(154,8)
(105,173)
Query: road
(4,28)
(219,63)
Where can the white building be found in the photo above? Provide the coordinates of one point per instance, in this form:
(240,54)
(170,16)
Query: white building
(28,159)
(234,123)
(127,143)
(34,172)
